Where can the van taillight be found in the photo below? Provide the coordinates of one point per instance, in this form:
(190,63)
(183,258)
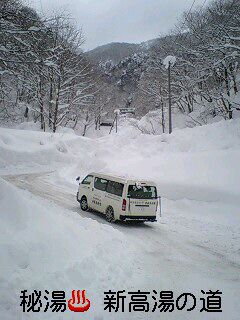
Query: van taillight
(124,204)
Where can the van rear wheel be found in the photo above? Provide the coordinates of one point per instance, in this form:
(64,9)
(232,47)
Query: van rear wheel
(84,204)
(110,214)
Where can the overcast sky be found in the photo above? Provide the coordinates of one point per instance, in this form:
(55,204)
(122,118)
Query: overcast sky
(105,21)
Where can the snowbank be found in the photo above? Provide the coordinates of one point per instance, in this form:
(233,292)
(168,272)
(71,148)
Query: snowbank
(45,247)
(205,157)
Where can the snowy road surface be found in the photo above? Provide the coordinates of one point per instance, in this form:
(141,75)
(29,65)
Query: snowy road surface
(181,252)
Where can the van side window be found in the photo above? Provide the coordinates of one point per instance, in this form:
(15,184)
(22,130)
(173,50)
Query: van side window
(115,188)
(100,184)
(87,180)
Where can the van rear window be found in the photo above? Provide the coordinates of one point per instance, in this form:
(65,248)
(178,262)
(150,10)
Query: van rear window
(114,187)
(142,192)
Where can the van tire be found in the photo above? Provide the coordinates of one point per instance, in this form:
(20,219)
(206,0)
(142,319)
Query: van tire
(84,204)
(110,215)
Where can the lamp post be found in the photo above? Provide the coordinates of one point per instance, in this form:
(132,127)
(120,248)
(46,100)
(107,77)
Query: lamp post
(169,62)
(169,99)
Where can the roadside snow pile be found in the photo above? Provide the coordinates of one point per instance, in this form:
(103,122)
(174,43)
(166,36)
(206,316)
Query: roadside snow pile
(31,125)
(151,123)
(35,126)
(44,247)
(26,151)
(206,157)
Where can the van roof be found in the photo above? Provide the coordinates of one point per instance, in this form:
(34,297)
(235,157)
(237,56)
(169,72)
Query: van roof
(109,176)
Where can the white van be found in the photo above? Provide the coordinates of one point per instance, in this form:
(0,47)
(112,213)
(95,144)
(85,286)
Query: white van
(118,198)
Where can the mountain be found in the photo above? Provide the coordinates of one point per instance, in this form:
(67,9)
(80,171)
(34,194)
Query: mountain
(117,51)
(114,51)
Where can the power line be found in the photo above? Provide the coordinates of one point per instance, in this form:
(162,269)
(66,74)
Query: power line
(192,5)
(189,11)
(41,5)
(204,2)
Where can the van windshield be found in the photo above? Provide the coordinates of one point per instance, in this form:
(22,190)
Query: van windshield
(142,192)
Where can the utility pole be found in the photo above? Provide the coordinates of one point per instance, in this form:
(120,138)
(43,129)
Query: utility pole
(162,110)
(169,98)
(114,123)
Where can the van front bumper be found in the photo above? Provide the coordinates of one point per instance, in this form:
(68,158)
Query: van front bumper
(142,218)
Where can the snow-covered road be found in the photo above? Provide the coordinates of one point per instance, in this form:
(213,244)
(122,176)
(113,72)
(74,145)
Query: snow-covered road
(34,183)
(183,251)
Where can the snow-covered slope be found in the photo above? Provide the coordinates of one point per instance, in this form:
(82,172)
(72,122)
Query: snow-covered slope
(205,157)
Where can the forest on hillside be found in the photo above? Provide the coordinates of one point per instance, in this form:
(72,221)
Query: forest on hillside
(46,77)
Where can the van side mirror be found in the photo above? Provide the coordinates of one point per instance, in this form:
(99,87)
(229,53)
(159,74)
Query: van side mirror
(78,179)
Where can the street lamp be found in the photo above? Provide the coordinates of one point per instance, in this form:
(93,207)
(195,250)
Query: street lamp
(169,62)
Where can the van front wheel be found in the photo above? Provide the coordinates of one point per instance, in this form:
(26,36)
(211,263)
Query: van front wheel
(84,204)
(110,214)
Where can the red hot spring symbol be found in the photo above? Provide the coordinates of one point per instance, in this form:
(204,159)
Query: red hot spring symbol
(79,302)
